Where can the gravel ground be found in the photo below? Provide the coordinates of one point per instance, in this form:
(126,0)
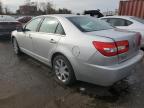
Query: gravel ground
(27,83)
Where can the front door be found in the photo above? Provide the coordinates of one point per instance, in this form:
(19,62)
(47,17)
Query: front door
(29,30)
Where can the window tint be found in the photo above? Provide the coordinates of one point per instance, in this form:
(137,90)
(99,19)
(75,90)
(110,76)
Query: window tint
(60,30)
(49,25)
(32,26)
(128,23)
(119,22)
(104,19)
(88,24)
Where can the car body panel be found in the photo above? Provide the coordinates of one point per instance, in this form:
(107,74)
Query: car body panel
(43,43)
(108,75)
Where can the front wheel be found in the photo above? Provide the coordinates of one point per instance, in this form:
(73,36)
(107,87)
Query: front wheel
(63,70)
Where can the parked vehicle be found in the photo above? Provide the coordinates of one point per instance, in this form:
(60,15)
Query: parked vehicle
(80,48)
(128,23)
(24,19)
(7,25)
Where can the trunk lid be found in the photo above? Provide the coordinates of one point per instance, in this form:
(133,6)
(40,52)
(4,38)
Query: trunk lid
(120,35)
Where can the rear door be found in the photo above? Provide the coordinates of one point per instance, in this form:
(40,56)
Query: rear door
(46,40)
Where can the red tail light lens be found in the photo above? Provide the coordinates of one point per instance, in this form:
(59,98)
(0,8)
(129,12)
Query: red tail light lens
(111,48)
(106,48)
(122,46)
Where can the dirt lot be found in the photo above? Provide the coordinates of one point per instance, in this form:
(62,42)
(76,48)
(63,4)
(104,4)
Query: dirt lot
(26,83)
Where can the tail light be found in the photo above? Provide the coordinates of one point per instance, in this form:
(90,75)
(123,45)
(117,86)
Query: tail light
(106,48)
(122,46)
(111,48)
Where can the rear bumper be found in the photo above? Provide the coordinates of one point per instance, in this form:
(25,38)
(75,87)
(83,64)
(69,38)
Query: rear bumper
(4,33)
(108,75)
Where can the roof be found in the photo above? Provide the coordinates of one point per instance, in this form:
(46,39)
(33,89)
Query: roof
(126,17)
(63,15)
(66,15)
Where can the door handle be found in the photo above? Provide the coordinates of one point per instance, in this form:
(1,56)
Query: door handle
(53,41)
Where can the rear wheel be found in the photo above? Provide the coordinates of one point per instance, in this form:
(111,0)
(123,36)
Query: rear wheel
(63,70)
(16,47)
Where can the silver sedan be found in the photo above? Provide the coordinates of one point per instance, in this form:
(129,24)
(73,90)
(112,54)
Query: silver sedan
(80,48)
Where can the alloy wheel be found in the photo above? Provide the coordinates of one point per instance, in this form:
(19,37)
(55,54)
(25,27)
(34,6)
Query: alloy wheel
(61,70)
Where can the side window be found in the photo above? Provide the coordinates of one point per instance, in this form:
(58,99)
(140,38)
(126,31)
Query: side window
(60,30)
(32,26)
(119,22)
(49,25)
(104,19)
(128,23)
(116,22)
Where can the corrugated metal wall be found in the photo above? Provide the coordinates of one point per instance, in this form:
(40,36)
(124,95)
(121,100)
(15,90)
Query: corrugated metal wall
(132,8)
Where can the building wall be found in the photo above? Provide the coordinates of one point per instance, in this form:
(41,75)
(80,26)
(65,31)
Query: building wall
(132,8)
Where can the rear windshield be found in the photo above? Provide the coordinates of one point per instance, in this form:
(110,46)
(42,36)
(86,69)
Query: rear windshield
(89,24)
(138,19)
(6,18)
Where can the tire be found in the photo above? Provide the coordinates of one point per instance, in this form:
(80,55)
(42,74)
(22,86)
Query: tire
(16,47)
(63,70)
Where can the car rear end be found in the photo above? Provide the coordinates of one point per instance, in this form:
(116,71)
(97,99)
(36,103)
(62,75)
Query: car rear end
(7,25)
(107,55)
(113,60)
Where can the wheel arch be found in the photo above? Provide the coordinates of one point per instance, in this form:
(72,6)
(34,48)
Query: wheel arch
(56,54)
(72,62)
(69,57)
